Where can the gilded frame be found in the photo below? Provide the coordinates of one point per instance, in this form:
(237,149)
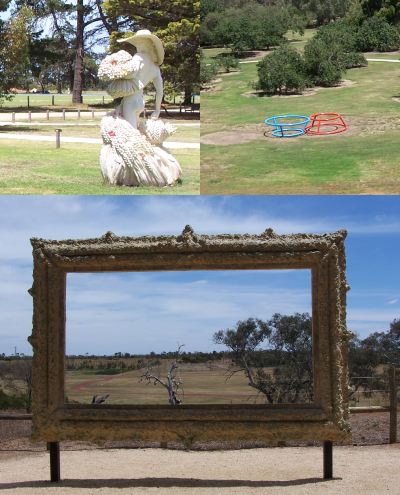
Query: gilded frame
(325,419)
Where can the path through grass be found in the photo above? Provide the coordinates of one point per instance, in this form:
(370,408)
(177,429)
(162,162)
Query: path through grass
(364,160)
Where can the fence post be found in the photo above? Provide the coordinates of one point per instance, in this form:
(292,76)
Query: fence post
(58,137)
(28,100)
(103,99)
(63,112)
(52,100)
(393,404)
(92,114)
(13,117)
(79,114)
(30,116)
(48,114)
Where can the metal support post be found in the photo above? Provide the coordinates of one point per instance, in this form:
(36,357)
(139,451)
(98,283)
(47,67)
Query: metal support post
(54,449)
(328,460)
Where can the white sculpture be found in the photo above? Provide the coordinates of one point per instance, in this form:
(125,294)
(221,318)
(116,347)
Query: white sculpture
(132,152)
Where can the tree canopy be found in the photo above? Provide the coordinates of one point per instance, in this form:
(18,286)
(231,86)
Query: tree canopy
(177,23)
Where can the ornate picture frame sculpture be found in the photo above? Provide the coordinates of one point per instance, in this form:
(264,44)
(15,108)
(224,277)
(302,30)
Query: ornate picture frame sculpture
(326,419)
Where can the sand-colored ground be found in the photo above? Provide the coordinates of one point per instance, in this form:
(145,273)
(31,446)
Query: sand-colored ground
(295,471)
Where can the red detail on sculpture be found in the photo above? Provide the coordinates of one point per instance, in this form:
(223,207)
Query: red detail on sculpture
(111,133)
(324,124)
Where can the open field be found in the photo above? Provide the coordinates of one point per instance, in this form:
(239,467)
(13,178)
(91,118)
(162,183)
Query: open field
(202,384)
(357,471)
(236,158)
(46,100)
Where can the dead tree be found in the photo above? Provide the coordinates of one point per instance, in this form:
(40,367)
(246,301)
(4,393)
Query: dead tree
(172,383)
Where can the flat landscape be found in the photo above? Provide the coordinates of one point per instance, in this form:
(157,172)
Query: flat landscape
(237,158)
(202,384)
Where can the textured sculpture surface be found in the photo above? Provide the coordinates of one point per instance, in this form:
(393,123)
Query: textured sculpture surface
(130,156)
(325,419)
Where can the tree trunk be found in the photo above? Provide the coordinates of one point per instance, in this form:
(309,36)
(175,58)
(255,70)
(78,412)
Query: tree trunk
(78,70)
(188,95)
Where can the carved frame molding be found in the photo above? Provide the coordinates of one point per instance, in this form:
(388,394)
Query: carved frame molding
(325,419)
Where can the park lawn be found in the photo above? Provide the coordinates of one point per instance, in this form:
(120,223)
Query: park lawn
(185,134)
(363,160)
(361,165)
(38,168)
(63,100)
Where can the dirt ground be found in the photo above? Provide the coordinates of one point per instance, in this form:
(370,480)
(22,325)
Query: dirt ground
(124,467)
(372,470)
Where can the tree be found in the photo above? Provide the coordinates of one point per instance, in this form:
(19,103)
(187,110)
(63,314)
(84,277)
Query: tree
(388,10)
(208,71)
(376,34)
(172,383)
(14,51)
(177,23)
(282,72)
(325,63)
(228,62)
(290,338)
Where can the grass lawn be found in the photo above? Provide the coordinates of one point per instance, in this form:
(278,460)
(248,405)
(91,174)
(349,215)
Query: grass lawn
(63,100)
(38,168)
(91,129)
(364,160)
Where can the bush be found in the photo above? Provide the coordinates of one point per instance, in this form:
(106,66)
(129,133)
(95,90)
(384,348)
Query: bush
(12,401)
(376,34)
(339,32)
(282,71)
(228,62)
(354,60)
(325,63)
(208,71)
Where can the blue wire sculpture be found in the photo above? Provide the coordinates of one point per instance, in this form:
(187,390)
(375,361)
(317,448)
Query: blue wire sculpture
(287,126)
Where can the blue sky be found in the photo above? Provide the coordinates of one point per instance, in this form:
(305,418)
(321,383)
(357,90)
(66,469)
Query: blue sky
(203,301)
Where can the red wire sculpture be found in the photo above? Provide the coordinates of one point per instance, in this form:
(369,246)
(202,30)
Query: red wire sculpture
(324,124)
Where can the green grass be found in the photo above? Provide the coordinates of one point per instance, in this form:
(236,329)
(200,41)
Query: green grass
(38,168)
(63,100)
(365,160)
(91,129)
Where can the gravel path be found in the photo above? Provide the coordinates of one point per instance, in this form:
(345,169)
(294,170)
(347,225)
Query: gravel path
(294,471)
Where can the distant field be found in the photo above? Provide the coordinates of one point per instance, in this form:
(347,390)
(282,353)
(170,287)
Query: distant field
(202,384)
(65,100)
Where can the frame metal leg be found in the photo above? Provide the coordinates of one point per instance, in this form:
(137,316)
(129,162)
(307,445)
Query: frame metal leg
(328,460)
(54,448)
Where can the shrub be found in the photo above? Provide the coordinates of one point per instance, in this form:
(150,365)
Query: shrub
(8,401)
(282,71)
(354,59)
(208,71)
(325,63)
(376,34)
(228,62)
(339,32)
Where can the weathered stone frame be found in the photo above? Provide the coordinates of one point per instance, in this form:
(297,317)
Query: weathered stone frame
(325,419)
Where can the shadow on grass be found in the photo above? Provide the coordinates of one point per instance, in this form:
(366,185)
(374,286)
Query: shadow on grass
(163,483)
(17,128)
